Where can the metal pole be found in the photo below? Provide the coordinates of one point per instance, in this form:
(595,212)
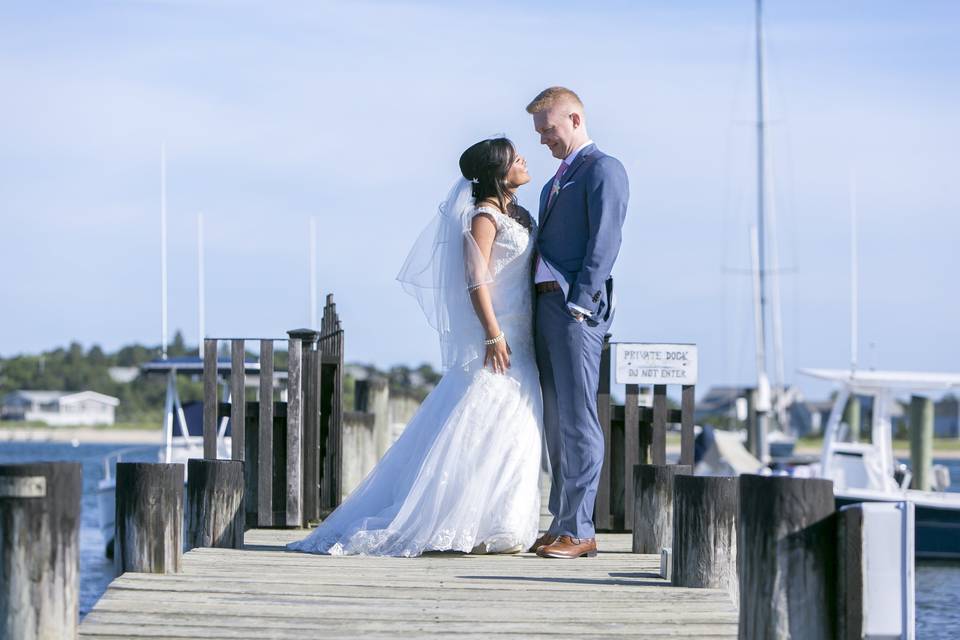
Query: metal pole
(201,292)
(163,251)
(313,272)
(854,277)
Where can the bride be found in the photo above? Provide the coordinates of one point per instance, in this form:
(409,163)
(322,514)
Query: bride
(464,474)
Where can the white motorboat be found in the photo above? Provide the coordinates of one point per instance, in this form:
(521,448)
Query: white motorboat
(866,471)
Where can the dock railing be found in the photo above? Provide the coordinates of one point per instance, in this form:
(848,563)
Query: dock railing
(292,448)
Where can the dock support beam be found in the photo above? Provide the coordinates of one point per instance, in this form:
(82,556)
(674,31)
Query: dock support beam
(215,489)
(705,533)
(40,550)
(787,558)
(653,509)
(921,442)
(149,525)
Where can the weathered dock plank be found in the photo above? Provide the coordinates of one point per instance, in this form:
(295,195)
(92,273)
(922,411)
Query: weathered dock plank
(265,592)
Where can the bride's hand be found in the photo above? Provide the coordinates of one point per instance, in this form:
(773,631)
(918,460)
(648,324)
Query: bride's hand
(498,356)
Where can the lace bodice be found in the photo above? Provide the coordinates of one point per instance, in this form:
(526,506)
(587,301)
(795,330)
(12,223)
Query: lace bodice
(510,266)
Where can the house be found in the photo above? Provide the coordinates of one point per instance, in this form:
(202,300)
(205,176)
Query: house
(59,408)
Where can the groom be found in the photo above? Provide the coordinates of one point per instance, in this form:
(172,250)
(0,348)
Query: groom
(582,210)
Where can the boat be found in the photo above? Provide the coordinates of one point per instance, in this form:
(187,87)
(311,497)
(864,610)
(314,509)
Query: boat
(860,471)
(867,471)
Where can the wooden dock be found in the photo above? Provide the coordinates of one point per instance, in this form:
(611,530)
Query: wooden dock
(263,591)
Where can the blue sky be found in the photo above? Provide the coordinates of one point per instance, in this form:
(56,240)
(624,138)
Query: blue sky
(356,113)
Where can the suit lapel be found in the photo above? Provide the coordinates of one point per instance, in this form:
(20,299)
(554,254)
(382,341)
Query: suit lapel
(567,177)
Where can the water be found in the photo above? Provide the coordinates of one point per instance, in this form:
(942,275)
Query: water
(96,571)
(938,583)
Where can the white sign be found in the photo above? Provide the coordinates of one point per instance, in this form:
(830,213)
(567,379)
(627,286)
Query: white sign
(646,363)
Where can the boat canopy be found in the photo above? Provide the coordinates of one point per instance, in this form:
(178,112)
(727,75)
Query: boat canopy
(877,380)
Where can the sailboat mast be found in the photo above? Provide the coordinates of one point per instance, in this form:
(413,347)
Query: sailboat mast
(201,291)
(163,251)
(762,403)
(854,278)
(313,272)
(761,188)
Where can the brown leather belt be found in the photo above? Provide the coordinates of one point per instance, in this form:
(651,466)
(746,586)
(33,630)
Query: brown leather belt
(548,287)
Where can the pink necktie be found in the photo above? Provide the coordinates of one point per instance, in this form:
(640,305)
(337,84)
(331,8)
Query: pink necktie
(555,189)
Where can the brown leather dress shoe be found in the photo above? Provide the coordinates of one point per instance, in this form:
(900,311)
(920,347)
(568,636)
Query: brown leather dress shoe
(542,541)
(567,548)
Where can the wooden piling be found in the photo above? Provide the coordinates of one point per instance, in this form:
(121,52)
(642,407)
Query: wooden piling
(658,446)
(786,558)
(705,533)
(238,399)
(921,442)
(631,449)
(294,504)
(39,550)
(215,496)
(149,520)
(311,366)
(373,396)
(687,407)
(210,400)
(265,438)
(851,415)
(603,516)
(653,506)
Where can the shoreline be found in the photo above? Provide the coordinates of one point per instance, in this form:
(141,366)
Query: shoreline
(898,452)
(95,435)
(81,435)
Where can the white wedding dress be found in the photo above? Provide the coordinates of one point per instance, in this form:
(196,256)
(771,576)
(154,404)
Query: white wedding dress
(465,471)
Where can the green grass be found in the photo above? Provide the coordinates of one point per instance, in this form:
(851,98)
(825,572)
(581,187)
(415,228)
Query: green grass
(939,444)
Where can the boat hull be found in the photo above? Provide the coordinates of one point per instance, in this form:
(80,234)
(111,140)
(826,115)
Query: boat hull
(936,528)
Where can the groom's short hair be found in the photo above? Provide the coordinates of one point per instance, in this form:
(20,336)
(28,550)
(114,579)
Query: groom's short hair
(552,96)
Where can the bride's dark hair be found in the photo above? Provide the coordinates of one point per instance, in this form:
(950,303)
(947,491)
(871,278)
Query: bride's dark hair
(486,164)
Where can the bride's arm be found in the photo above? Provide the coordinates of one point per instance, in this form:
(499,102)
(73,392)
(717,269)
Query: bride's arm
(484,231)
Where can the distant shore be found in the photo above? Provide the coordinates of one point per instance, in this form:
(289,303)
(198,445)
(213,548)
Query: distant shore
(81,435)
(120,435)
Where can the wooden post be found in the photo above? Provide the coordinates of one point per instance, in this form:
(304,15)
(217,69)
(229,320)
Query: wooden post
(653,506)
(631,449)
(331,346)
(149,523)
(921,442)
(705,533)
(40,550)
(215,491)
(265,438)
(373,396)
(238,400)
(753,422)
(687,404)
(602,513)
(786,557)
(310,438)
(210,400)
(294,506)
(851,415)
(658,448)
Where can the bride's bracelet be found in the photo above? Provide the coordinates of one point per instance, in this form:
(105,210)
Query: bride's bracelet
(499,338)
